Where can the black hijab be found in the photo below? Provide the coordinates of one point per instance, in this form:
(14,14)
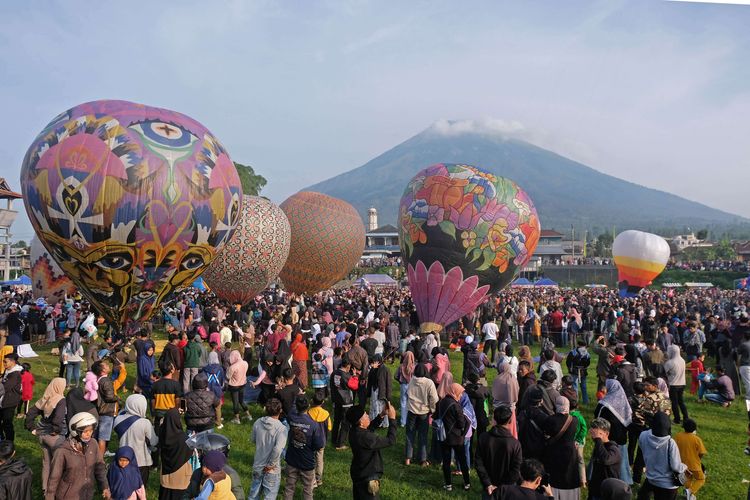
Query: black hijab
(661,425)
(174,449)
(76,403)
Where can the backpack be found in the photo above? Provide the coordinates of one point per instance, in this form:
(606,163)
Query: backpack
(438,426)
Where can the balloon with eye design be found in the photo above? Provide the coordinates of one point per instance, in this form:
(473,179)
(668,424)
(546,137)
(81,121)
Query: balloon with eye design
(47,279)
(133,202)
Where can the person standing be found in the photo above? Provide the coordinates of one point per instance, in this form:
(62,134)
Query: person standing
(77,463)
(107,403)
(675,369)
(51,426)
(270,437)
(663,461)
(456,426)
(305,438)
(343,386)
(490,331)
(367,463)
(605,458)
(137,432)
(175,454)
(422,399)
(692,451)
(72,354)
(12,389)
(499,456)
(123,476)
(194,351)
(560,456)
(743,352)
(615,409)
(236,380)
(379,386)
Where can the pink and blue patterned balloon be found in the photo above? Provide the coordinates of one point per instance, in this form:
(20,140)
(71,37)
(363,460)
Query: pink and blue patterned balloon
(132,201)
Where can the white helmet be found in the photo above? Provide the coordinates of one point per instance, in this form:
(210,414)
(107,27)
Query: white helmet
(80,421)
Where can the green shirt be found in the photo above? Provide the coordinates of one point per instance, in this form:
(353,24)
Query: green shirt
(582,427)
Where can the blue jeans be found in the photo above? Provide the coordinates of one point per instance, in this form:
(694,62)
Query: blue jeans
(417,426)
(267,483)
(583,387)
(73,372)
(715,397)
(403,404)
(625,474)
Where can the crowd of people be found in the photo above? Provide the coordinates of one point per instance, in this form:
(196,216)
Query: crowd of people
(327,369)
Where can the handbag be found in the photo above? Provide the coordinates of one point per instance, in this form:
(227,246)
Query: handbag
(441,433)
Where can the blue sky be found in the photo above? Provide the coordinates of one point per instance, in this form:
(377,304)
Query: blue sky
(653,92)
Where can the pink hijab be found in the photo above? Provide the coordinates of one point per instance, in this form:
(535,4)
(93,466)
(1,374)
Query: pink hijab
(446,385)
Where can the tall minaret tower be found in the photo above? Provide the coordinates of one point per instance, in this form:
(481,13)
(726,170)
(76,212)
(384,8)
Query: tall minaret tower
(372,219)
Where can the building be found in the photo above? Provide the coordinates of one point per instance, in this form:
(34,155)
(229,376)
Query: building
(7,217)
(381,243)
(742,249)
(550,246)
(683,241)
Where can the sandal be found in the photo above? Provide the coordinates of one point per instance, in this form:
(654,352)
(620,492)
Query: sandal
(425,463)
(407,462)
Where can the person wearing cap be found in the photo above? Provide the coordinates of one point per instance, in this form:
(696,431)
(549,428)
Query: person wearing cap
(367,463)
(217,485)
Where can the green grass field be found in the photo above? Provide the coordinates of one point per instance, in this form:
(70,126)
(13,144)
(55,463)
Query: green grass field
(722,430)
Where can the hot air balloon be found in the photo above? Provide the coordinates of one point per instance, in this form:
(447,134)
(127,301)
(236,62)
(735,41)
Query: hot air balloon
(255,254)
(133,202)
(47,279)
(640,257)
(464,234)
(328,238)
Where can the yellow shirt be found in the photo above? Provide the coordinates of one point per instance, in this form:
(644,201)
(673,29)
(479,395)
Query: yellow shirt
(691,450)
(320,415)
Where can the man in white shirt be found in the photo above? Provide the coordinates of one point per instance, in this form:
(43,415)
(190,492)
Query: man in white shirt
(490,331)
(380,337)
(225,334)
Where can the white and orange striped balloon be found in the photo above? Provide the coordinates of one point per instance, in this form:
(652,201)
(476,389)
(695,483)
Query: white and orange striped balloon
(640,257)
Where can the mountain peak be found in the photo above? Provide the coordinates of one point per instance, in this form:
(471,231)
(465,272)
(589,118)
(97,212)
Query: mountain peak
(488,127)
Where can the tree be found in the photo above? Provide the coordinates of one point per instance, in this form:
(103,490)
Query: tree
(252,183)
(702,234)
(19,244)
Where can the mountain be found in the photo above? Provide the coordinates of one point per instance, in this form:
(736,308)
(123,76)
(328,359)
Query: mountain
(564,191)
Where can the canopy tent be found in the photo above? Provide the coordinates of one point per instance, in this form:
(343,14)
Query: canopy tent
(545,282)
(671,285)
(593,285)
(23,280)
(376,280)
(522,282)
(699,285)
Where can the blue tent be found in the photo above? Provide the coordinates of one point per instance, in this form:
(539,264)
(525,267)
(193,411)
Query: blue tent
(545,282)
(522,282)
(199,284)
(23,280)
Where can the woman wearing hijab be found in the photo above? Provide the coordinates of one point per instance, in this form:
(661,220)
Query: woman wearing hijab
(404,375)
(456,426)
(560,456)
(441,365)
(137,432)
(300,356)
(51,426)
(145,366)
(124,478)
(524,354)
(505,392)
(662,457)
(175,457)
(326,351)
(236,380)
(615,409)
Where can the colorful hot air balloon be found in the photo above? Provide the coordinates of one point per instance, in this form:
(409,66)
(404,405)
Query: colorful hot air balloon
(133,202)
(255,254)
(328,238)
(47,279)
(640,257)
(464,234)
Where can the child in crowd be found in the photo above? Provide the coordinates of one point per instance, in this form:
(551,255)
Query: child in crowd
(27,390)
(704,381)
(323,418)
(580,439)
(338,354)
(320,375)
(696,369)
(692,450)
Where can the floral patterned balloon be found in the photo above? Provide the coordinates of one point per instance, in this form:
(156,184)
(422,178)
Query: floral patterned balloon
(464,233)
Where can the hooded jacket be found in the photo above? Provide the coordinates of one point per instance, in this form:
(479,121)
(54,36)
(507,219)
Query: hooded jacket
(73,472)
(200,404)
(306,437)
(15,480)
(269,436)
(140,435)
(341,393)
(12,387)
(660,453)
(675,367)
(499,458)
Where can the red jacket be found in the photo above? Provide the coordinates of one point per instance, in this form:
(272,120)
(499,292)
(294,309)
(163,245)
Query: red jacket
(27,386)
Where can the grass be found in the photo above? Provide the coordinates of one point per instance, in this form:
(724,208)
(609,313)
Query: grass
(723,431)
